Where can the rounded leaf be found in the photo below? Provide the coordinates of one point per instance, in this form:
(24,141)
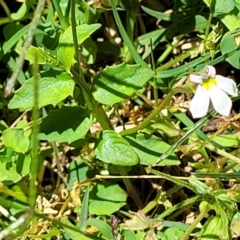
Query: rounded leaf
(119,82)
(229,44)
(53,88)
(222,6)
(14,138)
(106,199)
(113,148)
(67,124)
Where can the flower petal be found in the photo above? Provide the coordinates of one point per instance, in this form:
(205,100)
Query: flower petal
(196,78)
(200,103)
(220,100)
(227,85)
(211,71)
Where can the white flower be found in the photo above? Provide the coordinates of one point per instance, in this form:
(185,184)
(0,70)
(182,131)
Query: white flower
(212,89)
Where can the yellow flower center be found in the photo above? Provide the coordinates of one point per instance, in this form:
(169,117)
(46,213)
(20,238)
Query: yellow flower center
(209,82)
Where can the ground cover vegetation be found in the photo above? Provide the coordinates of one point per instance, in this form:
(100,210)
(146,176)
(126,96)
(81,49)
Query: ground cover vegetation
(100,137)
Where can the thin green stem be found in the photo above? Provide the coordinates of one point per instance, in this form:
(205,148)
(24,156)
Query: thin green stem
(155,112)
(55,149)
(178,206)
(137,58)
(12,204)
(199,124)
(229,167)
(23,221)
(17,227)
(155,92)
(174,61)
(223,160)
(222,153)
(152,204)
(79,78)
(138,93)
(155,85)
(85,89)
(99,112)
(208,28)
(171,178)
(169,49)
(130,19)
(74,32)
(62,19)
(4,20)
(172,190)
(195,222)
(5,7)
(35,142)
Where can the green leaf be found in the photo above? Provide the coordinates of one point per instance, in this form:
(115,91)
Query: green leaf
(8,173)
(113,148)
(72,232)
(153,36)
(237,3)
(9,44)
(106,199)
(227,141)
(10,30)
(119,82)
(67,124)
(173,233)
(229,44)
(6,155)
(13,171)
(102,226)
(3,126)
(235,223)
(21,11)
(174,224)
(65,52)
(130,235)
(219,7)
(14,138)
(52,89)
(222,212)
(167,127)
(43,57)
(200,187)
(127,40)
(78,171)
(230,20)
(149,148)
(215,228)
(84,212)
(23,164)
(157,14)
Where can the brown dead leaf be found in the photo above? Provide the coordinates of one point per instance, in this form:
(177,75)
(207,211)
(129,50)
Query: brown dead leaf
(139,221)
(151,235)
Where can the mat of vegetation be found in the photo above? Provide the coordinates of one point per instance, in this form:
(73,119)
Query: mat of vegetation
(119,119)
